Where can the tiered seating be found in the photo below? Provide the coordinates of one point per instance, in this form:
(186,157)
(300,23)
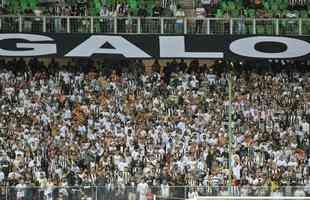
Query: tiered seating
(13,6)
(18,6)
(271,7)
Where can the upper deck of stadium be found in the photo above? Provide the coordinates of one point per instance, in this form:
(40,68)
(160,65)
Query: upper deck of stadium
(276,17)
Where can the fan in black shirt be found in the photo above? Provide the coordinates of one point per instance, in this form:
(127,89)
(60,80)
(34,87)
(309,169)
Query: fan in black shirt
(142,12)
(157,11)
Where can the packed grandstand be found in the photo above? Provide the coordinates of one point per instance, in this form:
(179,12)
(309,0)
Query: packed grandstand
(103,128)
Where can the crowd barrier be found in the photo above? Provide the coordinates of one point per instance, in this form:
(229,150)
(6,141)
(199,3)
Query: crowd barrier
(153,25)
(109,192)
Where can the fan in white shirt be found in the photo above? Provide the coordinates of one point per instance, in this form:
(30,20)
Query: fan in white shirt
(20,190)
(142,189)
(1,177)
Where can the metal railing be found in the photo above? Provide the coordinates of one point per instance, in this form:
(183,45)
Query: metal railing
(110,192)
(152,25)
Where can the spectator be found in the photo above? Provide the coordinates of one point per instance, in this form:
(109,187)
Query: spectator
(109,128)
(227,22)
(28,21)
(129,22)
(180,14)
(142,11)
(156,67)
(164,188)
(142,190)
(105,13)
(206,4)
(2,176)
(237,175)
(193,194)
(157,10)
(121,11)
(242,27)
(200,15)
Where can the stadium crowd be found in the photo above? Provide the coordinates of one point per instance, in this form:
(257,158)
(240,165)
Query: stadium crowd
(156,8)
(122,17)
(119,128)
